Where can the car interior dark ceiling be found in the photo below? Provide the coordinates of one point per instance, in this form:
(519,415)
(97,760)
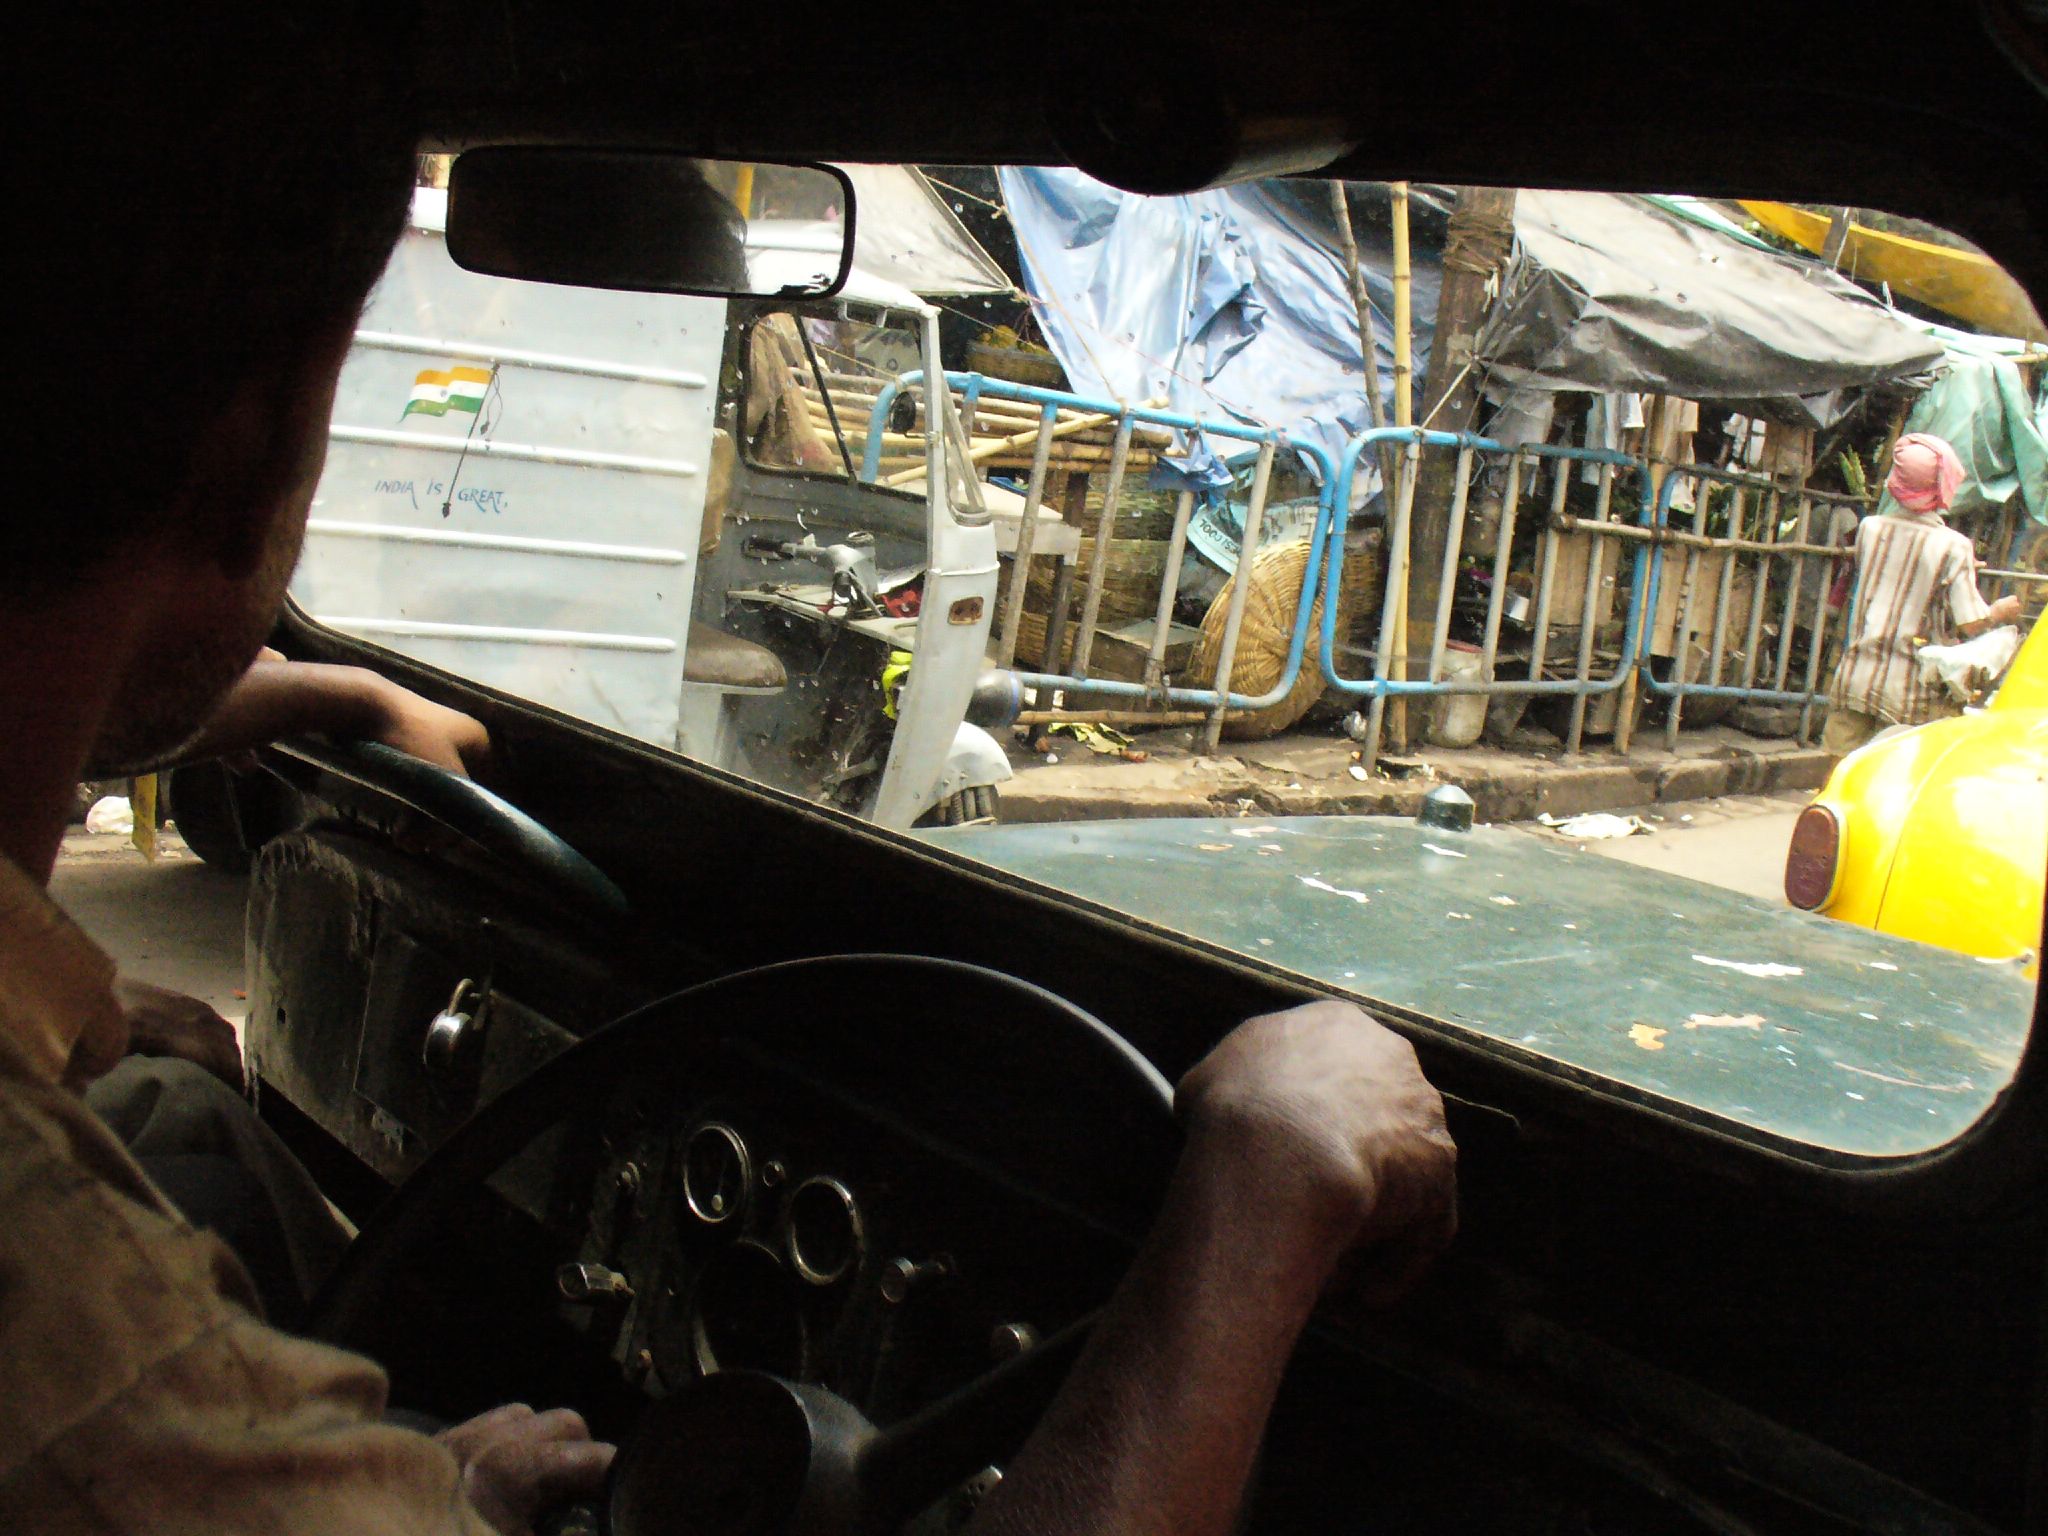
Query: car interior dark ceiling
(1829,101)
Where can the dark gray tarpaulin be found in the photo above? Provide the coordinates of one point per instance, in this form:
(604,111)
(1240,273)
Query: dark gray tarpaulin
(1610,293)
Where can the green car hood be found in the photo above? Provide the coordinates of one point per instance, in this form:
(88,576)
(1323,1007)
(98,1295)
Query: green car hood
(1787,1023)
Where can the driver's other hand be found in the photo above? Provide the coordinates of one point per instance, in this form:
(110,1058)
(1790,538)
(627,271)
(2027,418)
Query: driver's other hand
(166,1023)
(516,1463)
(435,734)
(1332,1114)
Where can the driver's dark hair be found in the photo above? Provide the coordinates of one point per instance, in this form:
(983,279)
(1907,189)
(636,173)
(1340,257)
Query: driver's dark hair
(199,193)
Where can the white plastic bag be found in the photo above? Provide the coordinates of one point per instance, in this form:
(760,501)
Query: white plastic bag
(1968,668)
(111,814)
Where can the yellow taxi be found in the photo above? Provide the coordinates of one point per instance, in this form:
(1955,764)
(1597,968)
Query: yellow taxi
(1940,833)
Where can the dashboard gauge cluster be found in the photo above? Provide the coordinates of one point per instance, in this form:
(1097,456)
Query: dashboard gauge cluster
(776,1228)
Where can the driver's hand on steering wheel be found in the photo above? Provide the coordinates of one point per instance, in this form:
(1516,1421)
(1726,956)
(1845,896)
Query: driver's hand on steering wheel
(516,1463)
(1331,1111)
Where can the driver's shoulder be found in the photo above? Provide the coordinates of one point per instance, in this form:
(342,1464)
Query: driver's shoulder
(107,1294)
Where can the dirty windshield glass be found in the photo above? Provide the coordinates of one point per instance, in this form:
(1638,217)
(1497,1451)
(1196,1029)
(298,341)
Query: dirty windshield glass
(1600,625)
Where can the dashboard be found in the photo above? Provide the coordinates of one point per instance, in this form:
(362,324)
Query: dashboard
(744,1216)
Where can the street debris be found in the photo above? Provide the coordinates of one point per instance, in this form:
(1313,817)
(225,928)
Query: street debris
(1648,1036)
(113,814)
(1449,853)
(1504,901)
(1594,825)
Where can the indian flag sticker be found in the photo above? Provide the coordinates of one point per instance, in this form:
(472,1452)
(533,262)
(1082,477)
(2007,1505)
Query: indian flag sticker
(436,392)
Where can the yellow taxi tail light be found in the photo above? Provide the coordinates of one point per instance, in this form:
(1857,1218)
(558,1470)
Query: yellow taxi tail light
(1814,858)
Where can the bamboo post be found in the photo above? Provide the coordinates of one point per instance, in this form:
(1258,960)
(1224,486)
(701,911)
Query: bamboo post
(1105,527)
(1404,369)
(1368,328)
(1027,536)
(1240,590)
(1404,416)
(1662,432)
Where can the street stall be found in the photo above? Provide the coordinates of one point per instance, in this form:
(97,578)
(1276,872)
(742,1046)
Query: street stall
(1629,335)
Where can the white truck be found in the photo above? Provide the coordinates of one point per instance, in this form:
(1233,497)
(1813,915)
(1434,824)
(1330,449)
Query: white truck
(645,511)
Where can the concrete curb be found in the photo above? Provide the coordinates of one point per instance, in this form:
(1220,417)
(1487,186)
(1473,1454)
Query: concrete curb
(1516,791)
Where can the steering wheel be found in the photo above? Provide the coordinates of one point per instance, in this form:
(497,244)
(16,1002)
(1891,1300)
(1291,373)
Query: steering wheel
(465,807)
(929,1046)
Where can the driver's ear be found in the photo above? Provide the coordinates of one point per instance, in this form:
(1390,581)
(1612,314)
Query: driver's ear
(259,457)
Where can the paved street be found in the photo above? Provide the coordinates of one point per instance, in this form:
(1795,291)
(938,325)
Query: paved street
(175,922)
(1735,841)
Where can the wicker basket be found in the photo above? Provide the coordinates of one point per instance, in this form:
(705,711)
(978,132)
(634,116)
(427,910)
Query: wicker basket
(1016,365)
(1268,628)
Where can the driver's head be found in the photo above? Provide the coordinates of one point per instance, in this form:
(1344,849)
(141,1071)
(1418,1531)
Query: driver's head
(205,199)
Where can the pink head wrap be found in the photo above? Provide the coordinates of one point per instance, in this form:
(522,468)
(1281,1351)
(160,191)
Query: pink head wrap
(1925,473)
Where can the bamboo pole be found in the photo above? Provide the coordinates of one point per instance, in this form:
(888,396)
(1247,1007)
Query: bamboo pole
(1659,441)
(1112,716)
(1404,416)
(1018,441)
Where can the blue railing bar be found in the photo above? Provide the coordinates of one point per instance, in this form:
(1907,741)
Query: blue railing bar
(1381,687)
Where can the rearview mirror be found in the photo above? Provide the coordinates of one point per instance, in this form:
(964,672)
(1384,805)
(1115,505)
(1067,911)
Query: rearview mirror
(661,223)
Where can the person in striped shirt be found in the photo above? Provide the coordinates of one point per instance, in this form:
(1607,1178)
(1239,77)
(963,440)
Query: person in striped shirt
(1916,582)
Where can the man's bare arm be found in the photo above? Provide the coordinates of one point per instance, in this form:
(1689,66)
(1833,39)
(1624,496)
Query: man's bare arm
(1309,1132)
(2005,611)
(278,698)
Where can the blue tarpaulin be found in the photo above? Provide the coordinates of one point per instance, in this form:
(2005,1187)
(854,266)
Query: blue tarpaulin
(1235,303)
(1231,304)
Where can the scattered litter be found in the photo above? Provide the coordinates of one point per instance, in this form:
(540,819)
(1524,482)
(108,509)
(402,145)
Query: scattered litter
(1099,739)
(1870,1016)
(1214,847)
(1463,917)
(1594,825)
(1357,772)
(1882,965)
(1856,1096)
(1504,901)
(1764,970)
(1648,1036)
(1267,942)
(1052,757)
(1685,818)
(1253,831)
(1573,926)
(1449,853)
(113,814)
(1315,884)
(1726,1021)
(241,994)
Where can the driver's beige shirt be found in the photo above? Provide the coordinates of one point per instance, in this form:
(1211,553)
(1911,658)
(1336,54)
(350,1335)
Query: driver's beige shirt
(141,1393)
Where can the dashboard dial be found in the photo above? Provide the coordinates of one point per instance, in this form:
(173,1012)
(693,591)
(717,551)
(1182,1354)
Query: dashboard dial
(717,1172)
(825,1231)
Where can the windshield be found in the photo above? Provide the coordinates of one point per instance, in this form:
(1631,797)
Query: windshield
(1519,642)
